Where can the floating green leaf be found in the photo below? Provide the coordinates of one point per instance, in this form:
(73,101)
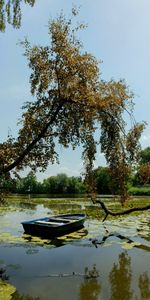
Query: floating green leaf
(6,290)
(129,246)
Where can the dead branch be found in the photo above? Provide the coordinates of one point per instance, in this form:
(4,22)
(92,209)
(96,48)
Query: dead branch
(125,212)
(86,276)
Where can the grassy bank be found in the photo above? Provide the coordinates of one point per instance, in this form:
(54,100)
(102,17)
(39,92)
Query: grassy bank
(139,191)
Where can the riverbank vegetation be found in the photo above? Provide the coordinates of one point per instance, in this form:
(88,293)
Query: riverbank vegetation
(64,184)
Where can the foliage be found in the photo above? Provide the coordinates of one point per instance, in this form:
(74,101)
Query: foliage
(121,150)
(139,191)
(103,180)
(28,184)
(10,11)
(70,104)
(59,184)
(142,176)
(145,156)
(144,173)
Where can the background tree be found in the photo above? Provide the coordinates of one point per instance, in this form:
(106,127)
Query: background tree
(141,174)
(49,185)
(144,166)
(103,180)
(76,185)
(28,184)
(10,11)
(145,156)
(71,104)
(61,184)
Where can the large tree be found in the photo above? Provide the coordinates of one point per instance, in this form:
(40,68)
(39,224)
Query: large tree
(71,103)
(10,11)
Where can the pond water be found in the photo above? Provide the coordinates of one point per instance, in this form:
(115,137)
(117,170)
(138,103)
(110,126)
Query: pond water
(109,260)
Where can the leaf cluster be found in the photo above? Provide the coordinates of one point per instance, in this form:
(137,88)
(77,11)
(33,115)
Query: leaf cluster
(10,11)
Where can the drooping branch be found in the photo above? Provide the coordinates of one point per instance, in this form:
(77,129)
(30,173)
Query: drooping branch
(33,143)
(10,12)
(119,213)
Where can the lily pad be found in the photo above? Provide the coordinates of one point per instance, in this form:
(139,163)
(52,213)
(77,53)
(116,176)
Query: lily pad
(129,246)
(6,290)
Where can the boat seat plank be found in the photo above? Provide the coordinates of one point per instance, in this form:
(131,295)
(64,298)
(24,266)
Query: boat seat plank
(63,219)
(49,222)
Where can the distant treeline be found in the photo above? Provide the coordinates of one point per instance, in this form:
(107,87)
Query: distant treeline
(59,184)
(63,184)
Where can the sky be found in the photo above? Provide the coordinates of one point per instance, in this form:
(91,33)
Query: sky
(118,33)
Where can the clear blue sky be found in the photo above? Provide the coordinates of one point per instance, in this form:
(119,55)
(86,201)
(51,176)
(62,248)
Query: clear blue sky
(118,33)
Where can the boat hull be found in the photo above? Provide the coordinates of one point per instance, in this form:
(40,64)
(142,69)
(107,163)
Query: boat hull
(54,226)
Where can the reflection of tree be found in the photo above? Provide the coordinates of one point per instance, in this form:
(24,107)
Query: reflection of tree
(95,242)
(144,285)
(120,279)
(90,288)
(17,296)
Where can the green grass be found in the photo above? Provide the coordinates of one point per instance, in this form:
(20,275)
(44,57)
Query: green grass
(135,191)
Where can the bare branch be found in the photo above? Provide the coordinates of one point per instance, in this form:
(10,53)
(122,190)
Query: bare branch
(125,212)
(33,143)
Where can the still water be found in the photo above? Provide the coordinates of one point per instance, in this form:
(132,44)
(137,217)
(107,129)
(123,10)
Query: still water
(109,260)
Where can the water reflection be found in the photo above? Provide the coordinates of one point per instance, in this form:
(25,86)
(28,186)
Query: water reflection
(144,228)
(120,278)
(63,207)
(90,288)
(26,205)
(37,241)
(144,286)
(17,296)
(117,274)
(127,244)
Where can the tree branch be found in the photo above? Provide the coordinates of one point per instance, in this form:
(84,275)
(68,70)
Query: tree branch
(125,212)
(33,143)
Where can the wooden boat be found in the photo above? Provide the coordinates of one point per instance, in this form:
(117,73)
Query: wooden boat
(54,226)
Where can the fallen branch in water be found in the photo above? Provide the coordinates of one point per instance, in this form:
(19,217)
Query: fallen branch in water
(86,276)
(125,212)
